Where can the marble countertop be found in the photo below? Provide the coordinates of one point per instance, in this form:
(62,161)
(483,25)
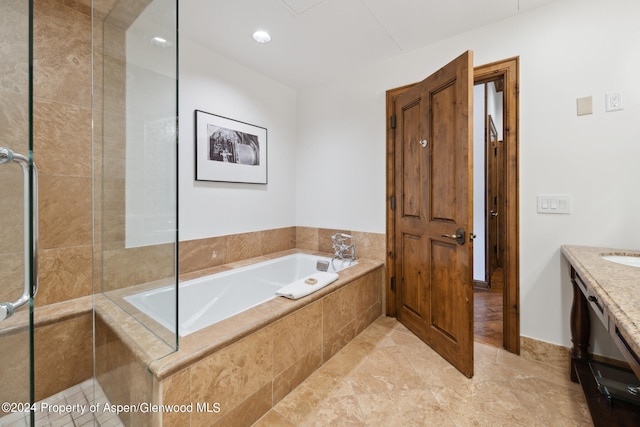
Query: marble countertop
(617,286)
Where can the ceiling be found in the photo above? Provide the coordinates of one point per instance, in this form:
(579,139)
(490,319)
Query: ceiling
(316,40)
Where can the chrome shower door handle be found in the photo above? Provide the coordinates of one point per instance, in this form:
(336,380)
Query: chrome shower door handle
(30,204)
(458,237)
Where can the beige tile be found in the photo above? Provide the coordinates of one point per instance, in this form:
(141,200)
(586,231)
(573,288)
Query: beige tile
(62,138)
(273,419)
(202,253)
(63,353)
(403,408)
(296,336)
(127,267)
(545,352)
(62,54)
(64,274)
(234,373)
(242,246)
(307,238)
(65,211)
(12,273)
(12,210)
(371,245)
(248,411)
(15,367)
(303,402)
(385,371)
(485,403)
(291,377)
(397,380)
(176,390)
(276,240)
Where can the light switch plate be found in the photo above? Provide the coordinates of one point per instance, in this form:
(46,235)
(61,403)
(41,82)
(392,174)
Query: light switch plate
(554,203)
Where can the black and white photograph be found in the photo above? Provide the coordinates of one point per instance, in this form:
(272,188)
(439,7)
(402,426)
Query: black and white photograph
(229,150)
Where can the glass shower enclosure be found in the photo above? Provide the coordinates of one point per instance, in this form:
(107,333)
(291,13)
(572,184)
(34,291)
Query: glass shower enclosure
(88,92)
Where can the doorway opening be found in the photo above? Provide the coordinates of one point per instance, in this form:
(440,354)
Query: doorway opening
(489,190)
(502,270)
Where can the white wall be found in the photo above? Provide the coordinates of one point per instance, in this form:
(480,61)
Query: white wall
(567,50)
(212,83)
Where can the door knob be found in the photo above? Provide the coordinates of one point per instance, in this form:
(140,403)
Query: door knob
(458,237)
(494,213)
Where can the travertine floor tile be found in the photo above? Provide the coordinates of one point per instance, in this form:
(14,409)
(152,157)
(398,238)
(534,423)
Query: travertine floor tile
(387,376)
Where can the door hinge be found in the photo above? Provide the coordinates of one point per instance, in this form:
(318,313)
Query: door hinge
(393,283)
(393,203)
(392,122)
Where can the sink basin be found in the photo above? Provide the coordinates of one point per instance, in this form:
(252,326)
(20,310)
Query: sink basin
(631,260)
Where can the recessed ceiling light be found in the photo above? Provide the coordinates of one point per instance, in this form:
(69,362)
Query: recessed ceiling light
(261,36)
(160,41)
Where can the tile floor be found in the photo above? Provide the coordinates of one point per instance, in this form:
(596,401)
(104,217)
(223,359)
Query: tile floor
(388,377)
(85,393)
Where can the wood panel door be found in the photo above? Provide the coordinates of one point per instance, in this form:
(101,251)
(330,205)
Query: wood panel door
(495,197)
(434,211)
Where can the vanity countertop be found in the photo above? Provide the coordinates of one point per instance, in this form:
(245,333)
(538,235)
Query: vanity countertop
(617,286)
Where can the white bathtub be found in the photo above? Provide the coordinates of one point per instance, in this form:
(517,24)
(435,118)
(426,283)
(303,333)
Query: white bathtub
(210,299)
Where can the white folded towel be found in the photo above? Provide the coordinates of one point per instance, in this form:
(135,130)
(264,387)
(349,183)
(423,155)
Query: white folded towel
(307,285)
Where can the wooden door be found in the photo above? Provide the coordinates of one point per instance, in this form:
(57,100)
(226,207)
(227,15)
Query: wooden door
(495,194)
(434,213)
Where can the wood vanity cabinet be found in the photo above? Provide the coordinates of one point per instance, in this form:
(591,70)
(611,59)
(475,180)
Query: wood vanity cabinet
(604,412)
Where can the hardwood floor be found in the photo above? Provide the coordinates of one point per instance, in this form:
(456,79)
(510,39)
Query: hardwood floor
(487,311)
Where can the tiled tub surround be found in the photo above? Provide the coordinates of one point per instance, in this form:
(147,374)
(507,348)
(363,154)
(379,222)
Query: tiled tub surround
(248,362)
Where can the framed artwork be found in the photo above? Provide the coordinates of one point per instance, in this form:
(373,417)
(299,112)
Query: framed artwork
(229,150)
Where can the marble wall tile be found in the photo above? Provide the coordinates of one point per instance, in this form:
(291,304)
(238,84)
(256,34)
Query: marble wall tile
(202,253)
(339,309)
(371,245)
(290,378)
(14,120)
(242,246)
(128,267)
(15,367)
(121,375)
(14,33)
(11,210)
(65,211)
(307,238)
(548,353)
(249,411)
(62,138)
(232,374)
(64,274)
(62,54)
(178,392)
(276,240)
(63,354)
(296,336)
(12,273)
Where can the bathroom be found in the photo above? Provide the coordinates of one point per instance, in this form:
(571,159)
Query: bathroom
(567,50)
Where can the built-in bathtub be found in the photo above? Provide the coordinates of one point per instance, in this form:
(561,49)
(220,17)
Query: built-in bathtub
(248,362)
(207,300)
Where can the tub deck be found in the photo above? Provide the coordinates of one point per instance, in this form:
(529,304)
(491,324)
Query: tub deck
(156,354)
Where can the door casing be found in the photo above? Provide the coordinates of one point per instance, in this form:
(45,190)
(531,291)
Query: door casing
(509,70)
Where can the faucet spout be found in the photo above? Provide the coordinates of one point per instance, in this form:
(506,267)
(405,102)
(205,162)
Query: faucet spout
(344,246)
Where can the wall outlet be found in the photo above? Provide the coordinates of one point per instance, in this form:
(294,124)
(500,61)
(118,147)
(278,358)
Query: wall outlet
(613,101)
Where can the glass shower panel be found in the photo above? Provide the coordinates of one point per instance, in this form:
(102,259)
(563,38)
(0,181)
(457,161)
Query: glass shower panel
(138,176)
(16,329)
